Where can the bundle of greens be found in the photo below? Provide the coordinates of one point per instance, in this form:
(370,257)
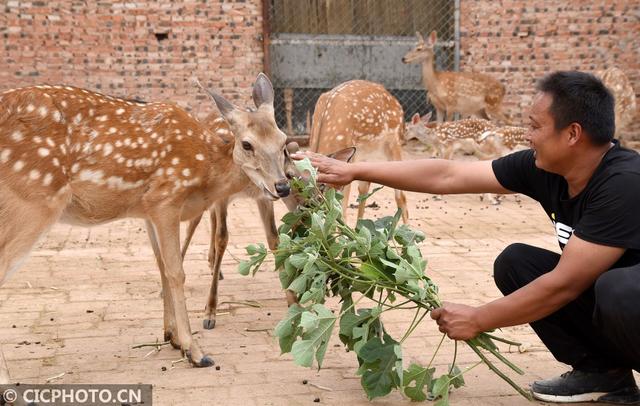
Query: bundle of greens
(319,256)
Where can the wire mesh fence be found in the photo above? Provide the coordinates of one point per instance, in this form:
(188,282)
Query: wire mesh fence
(362,22)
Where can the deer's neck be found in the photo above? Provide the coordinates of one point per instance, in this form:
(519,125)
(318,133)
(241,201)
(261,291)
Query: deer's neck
(430,76)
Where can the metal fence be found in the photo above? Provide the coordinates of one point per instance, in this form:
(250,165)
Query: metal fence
(317,44)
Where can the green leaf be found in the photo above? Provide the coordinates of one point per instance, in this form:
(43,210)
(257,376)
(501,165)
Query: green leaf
(314,341)
(364,197)
(287,330)
(256,249)
(299,260)
(309,321)
(381,368)
(244,268)
(304,165)
(299,285)
(414,381)
(457,380)
(441,386)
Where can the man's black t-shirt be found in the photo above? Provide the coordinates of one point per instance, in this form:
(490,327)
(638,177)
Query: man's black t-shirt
(606,212)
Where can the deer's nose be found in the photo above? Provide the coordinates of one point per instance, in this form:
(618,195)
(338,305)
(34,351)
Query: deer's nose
(283,188)
(404,60)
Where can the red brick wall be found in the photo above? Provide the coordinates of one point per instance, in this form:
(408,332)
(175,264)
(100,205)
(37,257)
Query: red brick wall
(111,46)
(518,41)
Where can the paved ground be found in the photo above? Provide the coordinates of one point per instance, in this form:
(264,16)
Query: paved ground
(86,296)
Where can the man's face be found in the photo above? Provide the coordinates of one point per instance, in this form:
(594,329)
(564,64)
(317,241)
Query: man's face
(548,143)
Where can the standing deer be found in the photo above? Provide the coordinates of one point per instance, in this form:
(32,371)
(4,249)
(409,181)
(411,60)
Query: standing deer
(71,155)
(466,93)
(364,115)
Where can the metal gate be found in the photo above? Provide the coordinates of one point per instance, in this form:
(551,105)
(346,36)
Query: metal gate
(312,46)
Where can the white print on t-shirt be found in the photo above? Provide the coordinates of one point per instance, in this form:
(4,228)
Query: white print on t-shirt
(563,231)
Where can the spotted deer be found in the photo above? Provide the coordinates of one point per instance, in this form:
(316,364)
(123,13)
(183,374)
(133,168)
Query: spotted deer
(472,136)
(72,155)
(366,116)
(624,95)
(467,93)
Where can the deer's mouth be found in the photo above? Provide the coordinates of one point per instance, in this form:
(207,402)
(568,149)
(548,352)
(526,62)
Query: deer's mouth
(269,193)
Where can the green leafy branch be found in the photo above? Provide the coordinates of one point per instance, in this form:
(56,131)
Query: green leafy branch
(320,256)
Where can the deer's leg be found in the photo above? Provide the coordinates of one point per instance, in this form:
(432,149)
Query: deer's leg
(191,229)
(363,189)
(166,223)
(219,240)
(346,190)
(265,207)
(439,115)
(168,314)
(17,236)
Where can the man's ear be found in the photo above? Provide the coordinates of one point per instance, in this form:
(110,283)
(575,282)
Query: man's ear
(575,133)
(345,155)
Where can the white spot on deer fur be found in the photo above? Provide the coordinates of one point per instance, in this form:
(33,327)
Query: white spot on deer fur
(129,163)
(118,143)
(69,88)
(200,157)
(63,149)
(4,156)
(55,162)
(127,141)
(75,167)
(340,137)
(120,159)
(119,111)
(90,175)
(46,181)
(112,130)
(160,140)
(108,149)
(175,161)
(30,108)
(34,174)
(43,111)
(186,172)
(170,171)
(17,136)
(102,118)
(57,117)
(37,139)
(64,104)
(43,152)
(50,142)
(18,165)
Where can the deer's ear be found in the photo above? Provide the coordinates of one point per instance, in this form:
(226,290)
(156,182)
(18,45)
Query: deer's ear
(345,155)
(226,108)
(420,39)
(262,91)
(415,119)
(433,37)
(426,117)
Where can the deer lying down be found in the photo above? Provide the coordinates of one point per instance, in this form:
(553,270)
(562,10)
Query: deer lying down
(472,136)
(363,115)
(72,155)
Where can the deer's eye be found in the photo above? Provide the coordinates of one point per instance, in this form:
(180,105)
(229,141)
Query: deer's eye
(247,146)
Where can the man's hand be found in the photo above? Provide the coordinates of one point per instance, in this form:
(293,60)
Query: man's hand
(457,321)
(330,171)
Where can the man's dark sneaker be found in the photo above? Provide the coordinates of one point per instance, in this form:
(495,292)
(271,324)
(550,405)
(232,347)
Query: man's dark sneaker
(613,386)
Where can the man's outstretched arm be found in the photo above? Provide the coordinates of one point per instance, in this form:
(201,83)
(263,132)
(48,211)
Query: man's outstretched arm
(436,176)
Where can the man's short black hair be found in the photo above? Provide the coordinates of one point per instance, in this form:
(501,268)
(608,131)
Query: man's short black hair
(580,97)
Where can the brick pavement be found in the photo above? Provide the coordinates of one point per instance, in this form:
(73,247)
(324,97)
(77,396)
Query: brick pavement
(86,296)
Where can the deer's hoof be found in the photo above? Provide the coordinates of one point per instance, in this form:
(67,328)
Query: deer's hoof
(208,324)
(221,277)
(204,362)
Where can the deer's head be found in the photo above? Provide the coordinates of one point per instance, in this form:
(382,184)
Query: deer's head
(259,144)
(423,51)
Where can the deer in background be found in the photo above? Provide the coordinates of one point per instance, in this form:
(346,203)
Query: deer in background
(71,155)
(624,95)
(472,136)
(467,93)
(363,115)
